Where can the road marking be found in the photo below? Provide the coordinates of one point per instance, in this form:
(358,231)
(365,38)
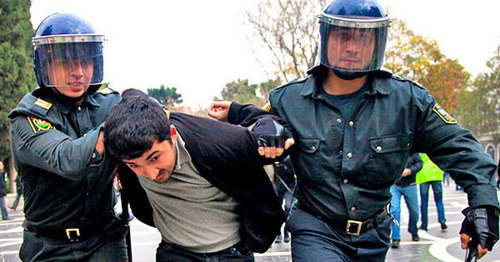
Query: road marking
(437,248)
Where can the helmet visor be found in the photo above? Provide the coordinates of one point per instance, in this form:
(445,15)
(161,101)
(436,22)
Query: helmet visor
(356,47)
(69,61)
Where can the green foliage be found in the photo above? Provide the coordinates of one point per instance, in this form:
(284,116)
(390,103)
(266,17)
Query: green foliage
(240,91)
(266,87)
(167,96)
(417,58)
(477,105)
(16,66)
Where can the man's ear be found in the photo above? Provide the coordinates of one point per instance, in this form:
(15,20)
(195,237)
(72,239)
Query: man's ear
(173,133)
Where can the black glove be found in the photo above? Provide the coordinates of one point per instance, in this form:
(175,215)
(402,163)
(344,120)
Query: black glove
(481,223)
(270,133)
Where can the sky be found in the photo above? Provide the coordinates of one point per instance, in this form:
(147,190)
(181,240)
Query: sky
(200,46)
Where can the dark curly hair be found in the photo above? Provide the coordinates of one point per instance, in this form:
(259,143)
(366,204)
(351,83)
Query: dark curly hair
(134,124)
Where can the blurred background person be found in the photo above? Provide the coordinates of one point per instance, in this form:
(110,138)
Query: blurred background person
(406,187)
(3,193)
(431,175)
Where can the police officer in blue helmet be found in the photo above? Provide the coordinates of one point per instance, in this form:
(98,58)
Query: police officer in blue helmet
(356,126)
(68,56)
(353,37)
(58,149)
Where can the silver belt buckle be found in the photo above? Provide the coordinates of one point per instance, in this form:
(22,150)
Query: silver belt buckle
(351,223)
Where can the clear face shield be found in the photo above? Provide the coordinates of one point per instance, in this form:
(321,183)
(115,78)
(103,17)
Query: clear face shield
(69,60)
(353,45)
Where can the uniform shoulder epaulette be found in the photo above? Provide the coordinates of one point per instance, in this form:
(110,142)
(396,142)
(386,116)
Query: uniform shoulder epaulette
(105,91)
(41,106)
(386,72)
(294,81)
(400,78)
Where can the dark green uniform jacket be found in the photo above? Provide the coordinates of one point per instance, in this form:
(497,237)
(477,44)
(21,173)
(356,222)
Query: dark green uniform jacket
(67,184)
(346,165)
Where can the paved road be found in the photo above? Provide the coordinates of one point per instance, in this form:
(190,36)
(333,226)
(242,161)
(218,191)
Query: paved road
(435,245)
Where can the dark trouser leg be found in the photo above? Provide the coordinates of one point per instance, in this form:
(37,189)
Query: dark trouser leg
(113,250)
(314,240)
(437,188)
(5,214)
(411,199)
(424,198)
(168,252)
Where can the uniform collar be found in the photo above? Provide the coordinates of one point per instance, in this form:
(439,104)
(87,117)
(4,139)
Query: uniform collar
(90,99)
(59,102)
(313,84)
(378,85)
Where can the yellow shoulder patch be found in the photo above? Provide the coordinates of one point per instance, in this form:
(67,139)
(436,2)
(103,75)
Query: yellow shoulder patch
(39,124)
(43,104)
(267,107)
(105,91)
(447,118)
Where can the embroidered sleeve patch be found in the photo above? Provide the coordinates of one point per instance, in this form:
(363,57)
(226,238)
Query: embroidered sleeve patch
(39,124)
(447,118)
(267,107)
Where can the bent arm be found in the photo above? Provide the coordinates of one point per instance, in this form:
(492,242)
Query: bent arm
(53,150)
(456,151)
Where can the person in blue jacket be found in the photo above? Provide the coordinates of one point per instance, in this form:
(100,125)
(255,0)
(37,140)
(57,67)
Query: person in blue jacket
(355,126)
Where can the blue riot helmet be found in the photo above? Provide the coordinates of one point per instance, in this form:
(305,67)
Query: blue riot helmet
(63,44)
(353,36)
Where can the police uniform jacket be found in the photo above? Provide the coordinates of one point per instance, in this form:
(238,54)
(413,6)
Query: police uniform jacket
(67,183)
(227,157)
(345,166)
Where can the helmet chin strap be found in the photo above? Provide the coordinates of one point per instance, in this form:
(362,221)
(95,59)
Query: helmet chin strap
(346,75)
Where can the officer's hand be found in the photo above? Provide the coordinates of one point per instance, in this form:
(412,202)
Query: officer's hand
(272,137)
(480,227)
(219,110)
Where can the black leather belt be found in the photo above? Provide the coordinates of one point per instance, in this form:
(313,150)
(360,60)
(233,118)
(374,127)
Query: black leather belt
(240,246)
(351,227)
(71,234)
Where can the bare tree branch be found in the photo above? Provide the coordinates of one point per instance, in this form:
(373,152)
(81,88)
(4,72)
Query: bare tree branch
(286,35)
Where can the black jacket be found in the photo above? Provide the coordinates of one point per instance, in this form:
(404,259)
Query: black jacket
(345,166)
(225,155)
(3,187)
(414,164)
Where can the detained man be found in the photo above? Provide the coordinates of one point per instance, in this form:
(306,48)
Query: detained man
(208,194)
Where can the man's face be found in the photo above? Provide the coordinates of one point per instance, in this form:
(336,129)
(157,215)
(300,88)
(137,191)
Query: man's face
(71,78)
(350,48)
(157,164)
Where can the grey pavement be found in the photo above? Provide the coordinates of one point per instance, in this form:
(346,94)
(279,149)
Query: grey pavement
(434,245)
